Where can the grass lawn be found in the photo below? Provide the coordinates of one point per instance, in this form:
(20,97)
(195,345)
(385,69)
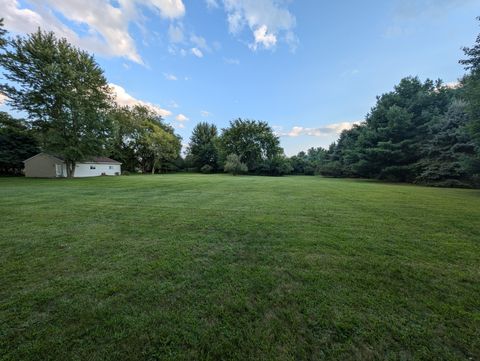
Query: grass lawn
(215,267)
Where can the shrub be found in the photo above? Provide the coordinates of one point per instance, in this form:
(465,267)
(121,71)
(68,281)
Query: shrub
(276,166)
(206,169)
(330,169)
(234,165)
(125,172)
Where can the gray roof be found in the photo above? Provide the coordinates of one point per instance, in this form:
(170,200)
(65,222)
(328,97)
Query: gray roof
(98,159)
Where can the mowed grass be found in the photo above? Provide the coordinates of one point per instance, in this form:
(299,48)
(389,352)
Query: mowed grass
(215,267)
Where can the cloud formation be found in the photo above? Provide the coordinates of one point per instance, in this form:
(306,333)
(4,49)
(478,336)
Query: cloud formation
(122,98)
(181,118)
(330,129)
(175,33)
(262,37)
(212,4)
(3,98)
(268,20)
(170,76)
(107,24)
(197,52)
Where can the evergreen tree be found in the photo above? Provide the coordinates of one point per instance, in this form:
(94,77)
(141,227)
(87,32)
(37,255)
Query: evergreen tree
(448,154)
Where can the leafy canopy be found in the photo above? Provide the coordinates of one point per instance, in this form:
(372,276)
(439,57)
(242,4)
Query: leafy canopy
(203,146)
(253,141)
(63,91)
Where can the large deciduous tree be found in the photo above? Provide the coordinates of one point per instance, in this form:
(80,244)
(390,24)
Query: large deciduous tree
(253,141)
(142,140)
(63,91)
(203,146)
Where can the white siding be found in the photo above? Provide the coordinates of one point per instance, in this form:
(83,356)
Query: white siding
(85,169)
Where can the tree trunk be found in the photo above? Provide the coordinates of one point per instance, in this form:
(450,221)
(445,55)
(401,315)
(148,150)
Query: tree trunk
(70,168)
(153,165)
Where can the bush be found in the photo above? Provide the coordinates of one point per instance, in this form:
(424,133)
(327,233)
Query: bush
(125,172)
(206,169)
(330,169)
(276,166)
(234,165)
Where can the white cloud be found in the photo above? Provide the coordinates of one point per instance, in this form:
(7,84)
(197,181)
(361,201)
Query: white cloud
(179,125)
(181,118)
(261,35)
(124,99)
(268,20)
(175,33)
(453,85)
(200,42)
(107,24)
(178,42)
(197,52)
(3,98)
(205,114)
(212,4)
(330,129)
(171,9)
(169,76)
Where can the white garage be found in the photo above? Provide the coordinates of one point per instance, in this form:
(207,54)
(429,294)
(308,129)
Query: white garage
(44,165)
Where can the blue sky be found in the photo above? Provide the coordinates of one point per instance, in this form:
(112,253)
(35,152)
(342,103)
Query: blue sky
(310,68)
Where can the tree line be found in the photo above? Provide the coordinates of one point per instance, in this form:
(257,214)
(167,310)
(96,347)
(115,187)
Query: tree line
(423,132)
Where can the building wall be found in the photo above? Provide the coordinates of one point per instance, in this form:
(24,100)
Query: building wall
(85,169)
(41,166)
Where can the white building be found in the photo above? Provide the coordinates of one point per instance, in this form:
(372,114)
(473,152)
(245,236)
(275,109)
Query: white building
(44,165)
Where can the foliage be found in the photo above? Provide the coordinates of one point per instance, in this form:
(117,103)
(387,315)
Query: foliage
(206,169)
(141,140)
(234,165)
(253,141)
(472,62)
(308,163)
(17,143)
(63,91)
(278,165)
(471,93)
(448,152)
(3,32)
(416,133)
(203,146)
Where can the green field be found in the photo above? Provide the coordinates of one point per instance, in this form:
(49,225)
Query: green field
(215,267)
